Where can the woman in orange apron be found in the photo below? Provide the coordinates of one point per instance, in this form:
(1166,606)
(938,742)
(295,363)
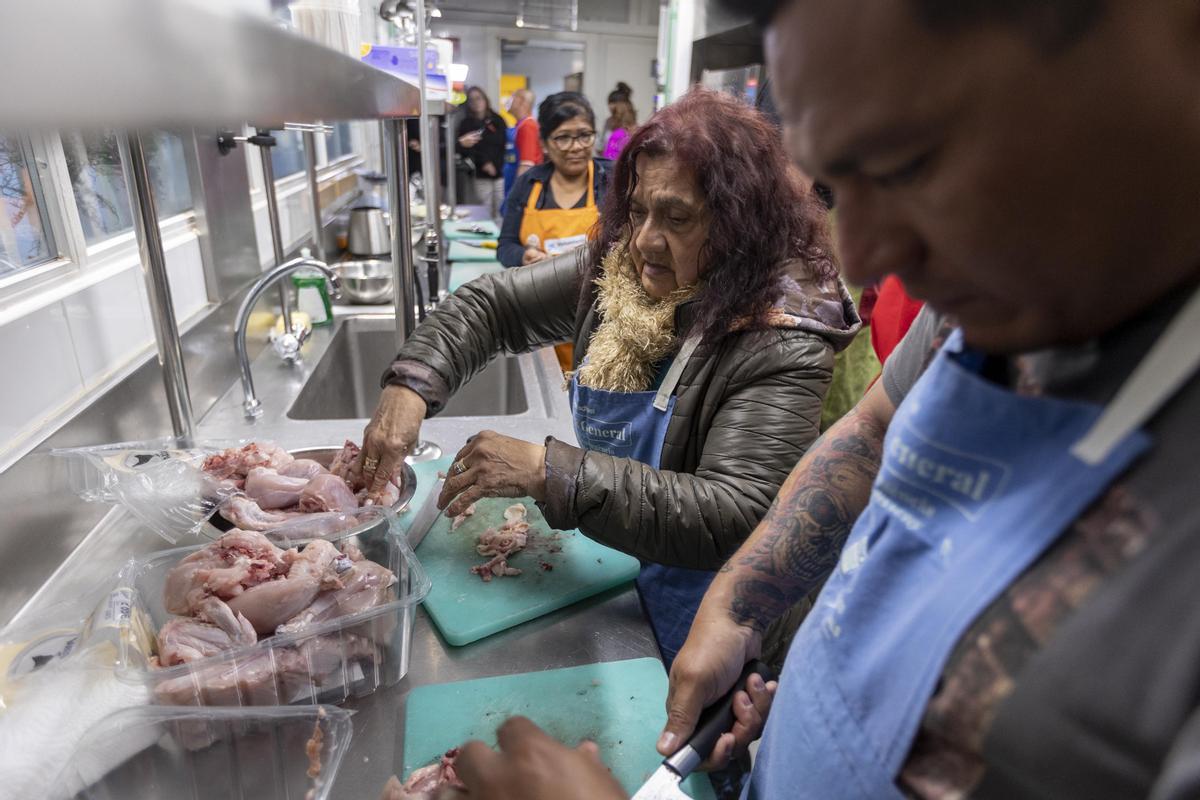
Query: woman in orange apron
(553,207)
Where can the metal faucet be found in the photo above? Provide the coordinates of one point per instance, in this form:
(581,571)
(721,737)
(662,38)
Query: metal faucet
(251,404)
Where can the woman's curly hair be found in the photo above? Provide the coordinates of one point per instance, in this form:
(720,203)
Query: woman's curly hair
(762,215)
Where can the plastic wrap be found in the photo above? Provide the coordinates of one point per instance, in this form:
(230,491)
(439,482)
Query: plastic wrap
(157,752)
(57,679)
(159,482)
(326,661)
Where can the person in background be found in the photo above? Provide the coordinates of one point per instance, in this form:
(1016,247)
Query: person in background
(481,135)
(623,92)
(626,122)
(553,206)
(526,139)
(892,316)
(705,314)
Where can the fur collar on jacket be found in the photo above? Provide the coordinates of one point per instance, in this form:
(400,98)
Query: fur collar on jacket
(636,331)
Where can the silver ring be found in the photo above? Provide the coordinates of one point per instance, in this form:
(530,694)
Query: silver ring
(459,467)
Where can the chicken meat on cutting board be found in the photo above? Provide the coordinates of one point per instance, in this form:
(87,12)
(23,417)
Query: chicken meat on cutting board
(425,783)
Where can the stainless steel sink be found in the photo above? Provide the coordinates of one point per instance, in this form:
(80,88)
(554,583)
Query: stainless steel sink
(345,382)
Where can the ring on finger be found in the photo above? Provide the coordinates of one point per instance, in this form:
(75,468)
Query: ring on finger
(459,467)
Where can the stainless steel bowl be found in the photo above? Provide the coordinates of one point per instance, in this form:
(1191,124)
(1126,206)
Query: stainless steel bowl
(324,456)
(367,282)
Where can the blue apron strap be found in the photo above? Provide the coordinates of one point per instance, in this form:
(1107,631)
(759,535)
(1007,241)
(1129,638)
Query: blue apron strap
(663,398)
(1174,358)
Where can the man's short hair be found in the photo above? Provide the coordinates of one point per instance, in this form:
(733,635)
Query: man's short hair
(1052,24)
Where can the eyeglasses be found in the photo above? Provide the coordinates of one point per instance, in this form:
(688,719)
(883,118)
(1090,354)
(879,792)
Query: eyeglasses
(564,141)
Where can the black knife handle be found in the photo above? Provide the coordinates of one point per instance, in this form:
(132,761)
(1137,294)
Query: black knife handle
(714,721)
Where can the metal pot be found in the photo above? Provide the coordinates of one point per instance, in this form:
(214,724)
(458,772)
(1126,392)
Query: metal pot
(369,232)
(366,282)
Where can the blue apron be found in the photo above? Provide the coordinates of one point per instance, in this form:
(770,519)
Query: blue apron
(961,507)
(634,425)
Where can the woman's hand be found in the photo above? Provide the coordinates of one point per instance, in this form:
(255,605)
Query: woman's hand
(532,766)
(492,465)
(488,169)
(469,140)
(533,255)
(389,436)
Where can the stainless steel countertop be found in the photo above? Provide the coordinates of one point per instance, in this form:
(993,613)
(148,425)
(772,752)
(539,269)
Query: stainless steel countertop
(608,627)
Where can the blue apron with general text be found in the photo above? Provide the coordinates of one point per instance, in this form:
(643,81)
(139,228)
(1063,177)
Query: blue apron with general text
(976,483)
(634,425)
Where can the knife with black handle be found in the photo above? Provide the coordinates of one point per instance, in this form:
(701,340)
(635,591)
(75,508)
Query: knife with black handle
(714,721)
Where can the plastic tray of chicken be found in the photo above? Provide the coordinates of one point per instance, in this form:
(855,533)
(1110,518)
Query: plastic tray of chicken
(242,621)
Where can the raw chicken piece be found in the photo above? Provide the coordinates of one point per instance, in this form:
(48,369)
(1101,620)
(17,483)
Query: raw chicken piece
(316,526)
(497,567)
(271,490)
(236,462)
(185,639)
(345,465)
(247,681)
(364,585)
(270,604)
(461,518)
(302,468)
(427,782)
(503,542)
(236,560)
(312,748)
(327,492)
(246,514)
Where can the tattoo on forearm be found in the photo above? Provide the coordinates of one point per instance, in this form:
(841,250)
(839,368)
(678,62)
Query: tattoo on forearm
(798,542)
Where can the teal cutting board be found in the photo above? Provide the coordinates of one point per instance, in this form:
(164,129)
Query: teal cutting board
(459,251)
(465,273)
(462,229)
(466,609)
(619,705)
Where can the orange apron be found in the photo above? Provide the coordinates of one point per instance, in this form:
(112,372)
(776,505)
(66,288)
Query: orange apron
(560,230)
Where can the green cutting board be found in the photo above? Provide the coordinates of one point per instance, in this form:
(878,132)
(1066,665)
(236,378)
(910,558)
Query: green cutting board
(466,609)
(619,705)
(459,251)
(462,229)
(465,273)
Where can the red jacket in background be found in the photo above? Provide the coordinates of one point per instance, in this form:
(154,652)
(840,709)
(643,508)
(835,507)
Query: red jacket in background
(891,317)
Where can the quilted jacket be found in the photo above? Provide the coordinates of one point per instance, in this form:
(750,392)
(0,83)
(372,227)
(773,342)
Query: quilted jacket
(746,409)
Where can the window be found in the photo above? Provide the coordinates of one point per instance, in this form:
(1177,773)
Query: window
(25,238)
(98,180)
(287,156)
(339,143)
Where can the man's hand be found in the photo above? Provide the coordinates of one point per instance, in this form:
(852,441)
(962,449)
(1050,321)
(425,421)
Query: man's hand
(493,465)
(389,437)
(533,255)
(791,551)
(706,668)
(532,766)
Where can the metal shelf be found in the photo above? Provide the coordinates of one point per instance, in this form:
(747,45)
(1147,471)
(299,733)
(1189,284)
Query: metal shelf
(173,64)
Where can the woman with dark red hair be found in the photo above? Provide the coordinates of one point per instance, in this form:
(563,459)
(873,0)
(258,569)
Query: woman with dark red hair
(705,314)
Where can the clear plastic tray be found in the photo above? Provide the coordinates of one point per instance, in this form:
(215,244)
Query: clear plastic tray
(199,753)
(345,657)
